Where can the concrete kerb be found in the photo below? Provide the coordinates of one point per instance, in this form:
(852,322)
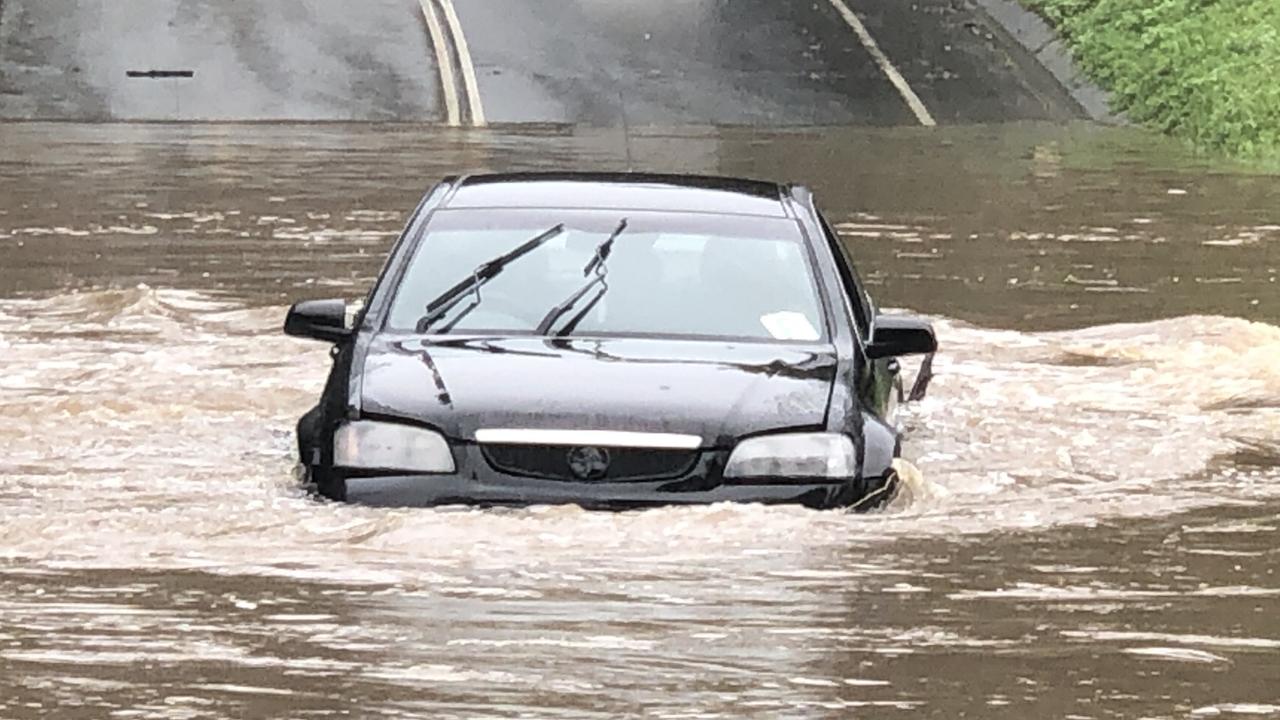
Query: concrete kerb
(1041,40)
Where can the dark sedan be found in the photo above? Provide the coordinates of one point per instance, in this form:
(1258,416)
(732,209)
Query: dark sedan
(612,341)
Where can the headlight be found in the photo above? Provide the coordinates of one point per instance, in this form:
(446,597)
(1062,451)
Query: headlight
(794,455)
(370,445)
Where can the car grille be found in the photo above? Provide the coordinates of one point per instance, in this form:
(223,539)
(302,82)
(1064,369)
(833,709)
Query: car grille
(583,464)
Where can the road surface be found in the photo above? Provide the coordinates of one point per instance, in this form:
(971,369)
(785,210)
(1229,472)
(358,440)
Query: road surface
(587,62)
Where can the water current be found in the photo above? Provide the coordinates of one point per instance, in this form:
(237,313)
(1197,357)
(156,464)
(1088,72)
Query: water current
(1095,533)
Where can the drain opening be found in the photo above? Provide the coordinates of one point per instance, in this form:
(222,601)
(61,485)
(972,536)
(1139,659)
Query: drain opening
(155,74)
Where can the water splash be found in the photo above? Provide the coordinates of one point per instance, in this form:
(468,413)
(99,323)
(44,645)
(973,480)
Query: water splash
(154,426)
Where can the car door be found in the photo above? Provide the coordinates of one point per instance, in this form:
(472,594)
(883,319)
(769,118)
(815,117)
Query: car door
(879,384)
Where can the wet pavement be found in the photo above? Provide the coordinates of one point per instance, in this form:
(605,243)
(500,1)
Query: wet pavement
(748,62)
(314,60)
(1095,535)
(587,62)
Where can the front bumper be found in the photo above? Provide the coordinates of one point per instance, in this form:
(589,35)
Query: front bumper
(495,489)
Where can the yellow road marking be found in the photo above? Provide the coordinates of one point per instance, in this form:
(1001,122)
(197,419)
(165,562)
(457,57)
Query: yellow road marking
(448,82)
(474,105)
(895,77)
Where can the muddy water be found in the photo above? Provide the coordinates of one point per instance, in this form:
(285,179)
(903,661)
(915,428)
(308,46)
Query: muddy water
(1096,534)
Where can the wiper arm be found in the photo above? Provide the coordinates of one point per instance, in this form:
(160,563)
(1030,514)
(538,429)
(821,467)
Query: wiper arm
(596,264)
(449,299)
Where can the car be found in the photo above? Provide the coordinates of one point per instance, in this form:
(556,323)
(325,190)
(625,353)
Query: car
(613,341)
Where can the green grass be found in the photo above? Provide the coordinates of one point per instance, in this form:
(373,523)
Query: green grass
(1204,70)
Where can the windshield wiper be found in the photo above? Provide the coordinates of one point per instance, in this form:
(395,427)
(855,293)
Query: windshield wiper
(449,299)
(596,264)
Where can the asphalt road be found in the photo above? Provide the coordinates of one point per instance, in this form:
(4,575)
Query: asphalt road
(254,59)
(593,62)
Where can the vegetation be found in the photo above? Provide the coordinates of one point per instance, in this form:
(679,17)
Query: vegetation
(1204,70)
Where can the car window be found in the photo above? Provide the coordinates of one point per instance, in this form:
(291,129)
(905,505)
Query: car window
(858,297)
(667,274)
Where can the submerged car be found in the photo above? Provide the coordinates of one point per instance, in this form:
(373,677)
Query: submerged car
(611,341)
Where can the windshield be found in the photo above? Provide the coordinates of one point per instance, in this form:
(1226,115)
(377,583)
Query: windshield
(668,274)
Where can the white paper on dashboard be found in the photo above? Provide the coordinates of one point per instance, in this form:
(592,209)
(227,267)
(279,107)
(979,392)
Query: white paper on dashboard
(789,325)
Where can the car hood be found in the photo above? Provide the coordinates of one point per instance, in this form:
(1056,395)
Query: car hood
(716,390)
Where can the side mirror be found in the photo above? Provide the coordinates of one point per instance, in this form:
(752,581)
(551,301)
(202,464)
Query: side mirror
(318,320)
(896,335)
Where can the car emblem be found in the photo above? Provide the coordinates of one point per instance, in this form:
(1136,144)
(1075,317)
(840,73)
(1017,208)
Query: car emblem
(588,463)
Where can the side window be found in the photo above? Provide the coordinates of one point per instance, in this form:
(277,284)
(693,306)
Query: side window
(862,310)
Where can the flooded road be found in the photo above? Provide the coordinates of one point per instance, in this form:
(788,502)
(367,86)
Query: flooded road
(1096,534)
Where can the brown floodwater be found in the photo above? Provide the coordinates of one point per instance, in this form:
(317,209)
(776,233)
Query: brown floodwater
(1096,533)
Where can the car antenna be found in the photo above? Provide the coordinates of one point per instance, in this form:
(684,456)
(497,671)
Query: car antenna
(626,131)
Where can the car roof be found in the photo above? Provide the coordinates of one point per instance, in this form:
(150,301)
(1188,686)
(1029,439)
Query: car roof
(620,191)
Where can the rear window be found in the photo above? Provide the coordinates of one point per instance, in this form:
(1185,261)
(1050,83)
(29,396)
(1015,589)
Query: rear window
(691,274)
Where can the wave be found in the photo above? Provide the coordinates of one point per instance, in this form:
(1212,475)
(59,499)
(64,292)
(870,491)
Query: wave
(160,399)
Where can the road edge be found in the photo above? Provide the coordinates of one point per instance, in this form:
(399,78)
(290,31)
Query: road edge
(1043,42)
